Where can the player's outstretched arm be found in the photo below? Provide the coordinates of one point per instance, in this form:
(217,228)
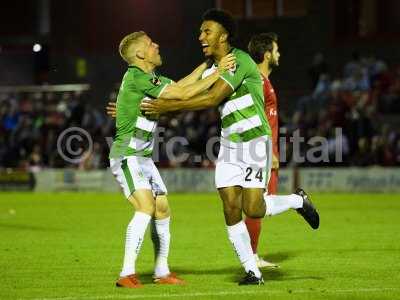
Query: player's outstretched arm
(177,92)
(226,63)
(194,76)
(211,98)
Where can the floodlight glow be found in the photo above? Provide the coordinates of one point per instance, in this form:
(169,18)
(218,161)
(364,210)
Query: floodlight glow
(37,47)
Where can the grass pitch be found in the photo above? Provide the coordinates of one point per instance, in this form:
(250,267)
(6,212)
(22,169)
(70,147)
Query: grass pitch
(70,246)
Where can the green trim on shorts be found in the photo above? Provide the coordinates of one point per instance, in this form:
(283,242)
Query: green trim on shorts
(127,175)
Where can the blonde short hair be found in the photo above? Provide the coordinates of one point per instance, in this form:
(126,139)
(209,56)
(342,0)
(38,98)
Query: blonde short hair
(127,41)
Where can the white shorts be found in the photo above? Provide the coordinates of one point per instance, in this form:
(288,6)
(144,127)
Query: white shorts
(136,172)
(247,165)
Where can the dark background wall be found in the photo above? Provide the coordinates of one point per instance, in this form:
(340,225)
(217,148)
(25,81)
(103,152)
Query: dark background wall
(89,31)
(97,32)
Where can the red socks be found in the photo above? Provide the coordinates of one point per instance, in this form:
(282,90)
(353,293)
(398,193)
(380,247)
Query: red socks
(254,225)
(254,228)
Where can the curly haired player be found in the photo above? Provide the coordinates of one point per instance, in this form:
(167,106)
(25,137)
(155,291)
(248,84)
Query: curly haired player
(245,156)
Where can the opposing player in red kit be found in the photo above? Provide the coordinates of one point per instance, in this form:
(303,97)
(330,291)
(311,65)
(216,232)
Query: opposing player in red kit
(263,48)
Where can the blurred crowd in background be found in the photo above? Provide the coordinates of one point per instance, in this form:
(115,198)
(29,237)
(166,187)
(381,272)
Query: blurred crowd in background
(362,100)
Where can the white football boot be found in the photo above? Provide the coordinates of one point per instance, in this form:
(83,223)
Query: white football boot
(261,263)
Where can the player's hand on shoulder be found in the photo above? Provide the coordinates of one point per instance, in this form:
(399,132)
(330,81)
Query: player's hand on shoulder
(111,109)
(227,62)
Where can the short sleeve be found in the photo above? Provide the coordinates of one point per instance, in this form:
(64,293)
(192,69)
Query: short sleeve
(235,77)
(150,85)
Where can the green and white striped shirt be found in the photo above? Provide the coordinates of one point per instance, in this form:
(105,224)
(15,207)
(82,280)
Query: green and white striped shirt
(134,131)
(242,114)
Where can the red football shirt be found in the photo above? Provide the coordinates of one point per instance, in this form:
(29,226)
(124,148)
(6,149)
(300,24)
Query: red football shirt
(271,111)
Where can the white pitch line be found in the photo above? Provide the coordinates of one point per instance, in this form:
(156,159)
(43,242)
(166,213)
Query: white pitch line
(218,294)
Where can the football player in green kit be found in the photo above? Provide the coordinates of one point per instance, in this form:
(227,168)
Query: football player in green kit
(244,161)
(130,154)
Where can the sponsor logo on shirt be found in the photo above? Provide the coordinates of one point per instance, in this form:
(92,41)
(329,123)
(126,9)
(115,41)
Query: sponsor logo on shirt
(233,70)
(272,112)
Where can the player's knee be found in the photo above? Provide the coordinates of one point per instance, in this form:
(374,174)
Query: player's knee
(231,208)
(162,211)
(162,207)
(254,209)
(232,219)
(233,214)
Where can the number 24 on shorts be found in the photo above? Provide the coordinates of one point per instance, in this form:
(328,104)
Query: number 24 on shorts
(258,175)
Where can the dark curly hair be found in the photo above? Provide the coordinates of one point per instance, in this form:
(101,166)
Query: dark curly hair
(223,18)
(261,43)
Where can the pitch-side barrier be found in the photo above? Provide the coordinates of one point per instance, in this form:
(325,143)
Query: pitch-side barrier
(374,179)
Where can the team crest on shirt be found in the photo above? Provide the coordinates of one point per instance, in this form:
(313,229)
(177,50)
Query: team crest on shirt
(233,69)
(156,81)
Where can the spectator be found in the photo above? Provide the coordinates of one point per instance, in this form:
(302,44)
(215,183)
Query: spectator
(318,67)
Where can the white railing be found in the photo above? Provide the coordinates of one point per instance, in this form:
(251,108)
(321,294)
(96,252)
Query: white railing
(44,88)
(374,179)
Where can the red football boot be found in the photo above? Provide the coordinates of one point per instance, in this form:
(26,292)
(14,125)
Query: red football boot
(171,278)
(130,281)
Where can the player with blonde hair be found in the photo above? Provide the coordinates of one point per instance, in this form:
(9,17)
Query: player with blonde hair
(131,151)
